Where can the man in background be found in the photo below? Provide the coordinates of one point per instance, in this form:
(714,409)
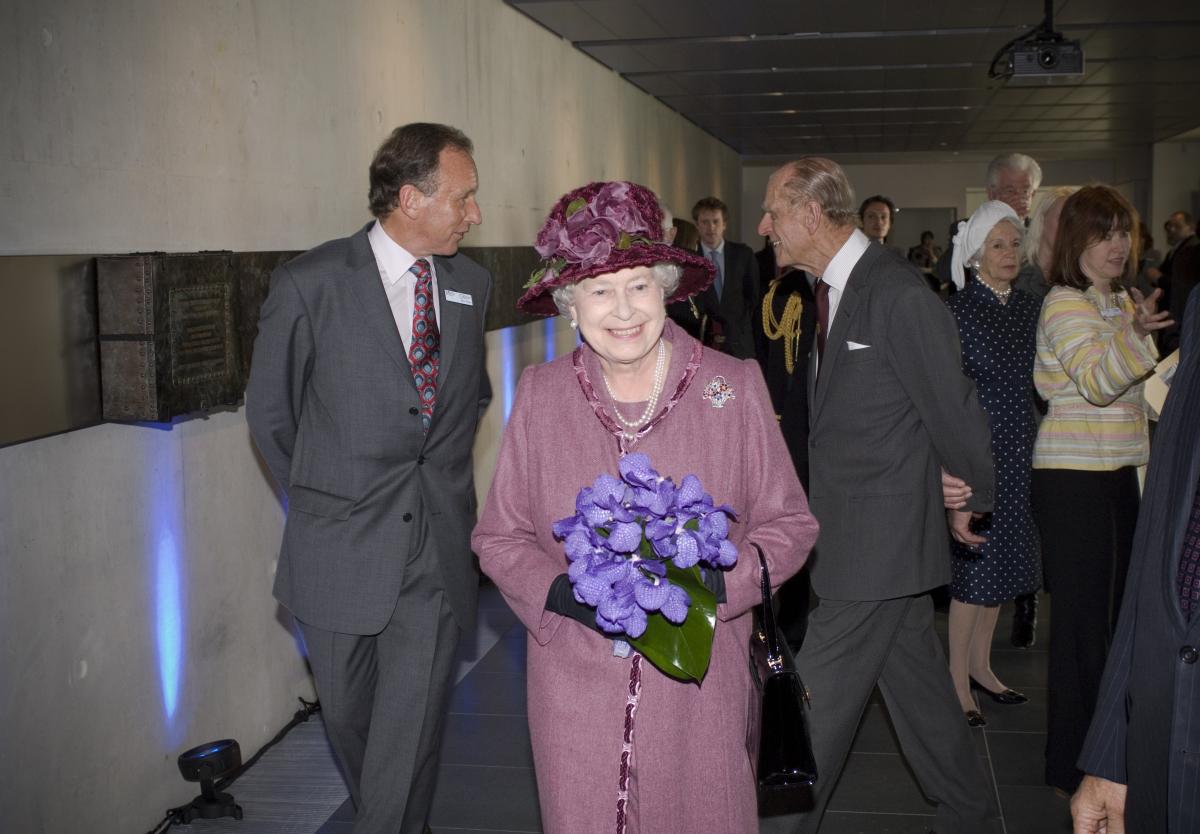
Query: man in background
(734,296)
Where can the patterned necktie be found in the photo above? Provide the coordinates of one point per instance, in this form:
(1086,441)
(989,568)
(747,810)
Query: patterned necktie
(719,281)
(1189,563)
(424,350)
(821,290)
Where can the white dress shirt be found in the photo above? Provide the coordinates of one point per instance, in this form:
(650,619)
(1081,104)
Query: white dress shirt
(394,261)
(838,272)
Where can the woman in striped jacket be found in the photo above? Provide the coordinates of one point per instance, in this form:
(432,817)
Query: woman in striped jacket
(1093,351)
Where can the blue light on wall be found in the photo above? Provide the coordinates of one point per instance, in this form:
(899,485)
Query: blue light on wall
(168,621)
(166,552)
(508,364)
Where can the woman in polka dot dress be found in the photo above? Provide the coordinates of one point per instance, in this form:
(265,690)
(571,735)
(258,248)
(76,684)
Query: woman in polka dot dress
(997,325)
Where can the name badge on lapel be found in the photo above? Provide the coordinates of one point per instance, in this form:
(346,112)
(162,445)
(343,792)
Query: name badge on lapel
(459,298)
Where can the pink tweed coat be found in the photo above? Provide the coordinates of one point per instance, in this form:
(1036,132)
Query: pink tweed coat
(692,770)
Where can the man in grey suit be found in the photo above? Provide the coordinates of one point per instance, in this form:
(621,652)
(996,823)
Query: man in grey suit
(1142,753)
(366,388)
(889,407)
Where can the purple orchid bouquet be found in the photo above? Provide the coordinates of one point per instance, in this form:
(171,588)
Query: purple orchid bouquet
(636,545)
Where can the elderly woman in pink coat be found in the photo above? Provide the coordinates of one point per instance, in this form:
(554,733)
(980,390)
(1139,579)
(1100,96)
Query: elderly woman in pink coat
(617,744)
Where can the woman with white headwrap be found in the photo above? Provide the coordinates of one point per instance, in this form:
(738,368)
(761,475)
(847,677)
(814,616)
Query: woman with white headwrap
(997,325)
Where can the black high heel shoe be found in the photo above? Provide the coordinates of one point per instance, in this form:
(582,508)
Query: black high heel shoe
(1009,697)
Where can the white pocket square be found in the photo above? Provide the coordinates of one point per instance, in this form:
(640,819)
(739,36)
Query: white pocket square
(855,346)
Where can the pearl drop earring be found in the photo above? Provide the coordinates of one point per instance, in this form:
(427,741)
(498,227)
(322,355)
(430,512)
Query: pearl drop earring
(574,324)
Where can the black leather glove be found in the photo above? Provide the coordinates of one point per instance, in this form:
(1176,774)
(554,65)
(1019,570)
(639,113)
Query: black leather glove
(714,580)
(561,600)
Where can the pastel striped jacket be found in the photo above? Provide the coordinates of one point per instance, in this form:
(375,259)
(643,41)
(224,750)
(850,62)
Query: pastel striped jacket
(1090,368)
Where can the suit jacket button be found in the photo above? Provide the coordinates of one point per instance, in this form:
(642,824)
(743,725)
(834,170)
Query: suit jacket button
(420,460)
(408,516)
(1188,654)
(414,411)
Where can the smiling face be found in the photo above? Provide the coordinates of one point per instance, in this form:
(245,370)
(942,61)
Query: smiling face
(442,219)
(1103,261)
(620,315)
(783,225)
(1000,257)
(877,221)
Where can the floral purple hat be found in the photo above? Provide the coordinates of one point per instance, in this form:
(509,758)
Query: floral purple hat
(600,228)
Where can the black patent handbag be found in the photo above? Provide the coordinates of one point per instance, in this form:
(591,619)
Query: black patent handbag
(785,756)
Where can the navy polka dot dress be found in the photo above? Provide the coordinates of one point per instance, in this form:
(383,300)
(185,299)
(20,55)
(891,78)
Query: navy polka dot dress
(998,343)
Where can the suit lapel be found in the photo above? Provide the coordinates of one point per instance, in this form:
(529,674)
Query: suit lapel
(451,319)
(835,340)
(367,286)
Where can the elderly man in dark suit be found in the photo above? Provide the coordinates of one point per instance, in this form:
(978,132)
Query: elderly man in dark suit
(366,387)
(1142,754)
(889,408)
(734,296)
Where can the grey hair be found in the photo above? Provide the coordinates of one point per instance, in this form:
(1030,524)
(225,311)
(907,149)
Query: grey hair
(820,180)
(665,273)
(1037,222)
(1014,162)
(668,221)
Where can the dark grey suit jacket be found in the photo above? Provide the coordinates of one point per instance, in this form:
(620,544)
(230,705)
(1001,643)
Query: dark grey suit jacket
(333,409)
(1146,728)
(883,419)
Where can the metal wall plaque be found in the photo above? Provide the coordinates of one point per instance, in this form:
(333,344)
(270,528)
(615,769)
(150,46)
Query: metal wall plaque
(168,334)
(151,337)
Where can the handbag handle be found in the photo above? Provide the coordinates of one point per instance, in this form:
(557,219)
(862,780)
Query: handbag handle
(771,634)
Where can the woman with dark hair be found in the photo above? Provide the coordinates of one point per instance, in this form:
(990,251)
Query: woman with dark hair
(1094,348)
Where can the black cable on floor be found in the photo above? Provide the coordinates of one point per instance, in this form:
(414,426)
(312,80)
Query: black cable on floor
(307,710)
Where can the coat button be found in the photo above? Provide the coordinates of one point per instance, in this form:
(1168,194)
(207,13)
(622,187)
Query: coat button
(1188,654)
(414,411)
(408,516)
(420,460)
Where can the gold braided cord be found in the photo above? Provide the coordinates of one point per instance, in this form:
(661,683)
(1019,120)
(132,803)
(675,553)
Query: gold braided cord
(786,328)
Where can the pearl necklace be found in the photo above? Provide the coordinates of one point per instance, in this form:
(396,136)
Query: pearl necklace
(1001,295)
(659,376)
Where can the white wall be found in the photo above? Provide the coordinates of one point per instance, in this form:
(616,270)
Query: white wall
(1176,184)
(174,125)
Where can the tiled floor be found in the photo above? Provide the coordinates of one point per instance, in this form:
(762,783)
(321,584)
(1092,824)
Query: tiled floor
(486,781)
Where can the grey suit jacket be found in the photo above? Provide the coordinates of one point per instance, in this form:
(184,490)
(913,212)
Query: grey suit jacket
(333,409)
(883,419)
(1145,731)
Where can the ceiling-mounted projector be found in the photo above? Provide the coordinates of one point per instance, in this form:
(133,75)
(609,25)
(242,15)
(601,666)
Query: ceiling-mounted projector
(1038,57)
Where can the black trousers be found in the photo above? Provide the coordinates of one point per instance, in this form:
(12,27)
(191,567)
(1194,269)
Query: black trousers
(1086,521)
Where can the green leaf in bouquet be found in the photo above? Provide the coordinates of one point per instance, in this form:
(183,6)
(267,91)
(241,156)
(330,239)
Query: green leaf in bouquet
(682,651)
(575,206)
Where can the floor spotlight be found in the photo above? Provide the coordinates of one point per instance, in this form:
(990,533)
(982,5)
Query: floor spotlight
(206,764)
